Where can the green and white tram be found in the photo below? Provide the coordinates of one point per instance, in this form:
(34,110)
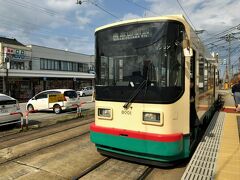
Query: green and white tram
(143,72)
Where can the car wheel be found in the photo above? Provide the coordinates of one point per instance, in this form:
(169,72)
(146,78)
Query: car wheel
(57,109)
(30,107)
(83,94)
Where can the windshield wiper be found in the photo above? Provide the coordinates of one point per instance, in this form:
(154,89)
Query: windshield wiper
(135,93)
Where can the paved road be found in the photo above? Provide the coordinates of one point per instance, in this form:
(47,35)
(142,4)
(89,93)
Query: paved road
(44,115)
(64,151)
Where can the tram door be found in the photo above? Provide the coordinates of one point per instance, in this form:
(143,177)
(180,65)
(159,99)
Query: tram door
(193,113)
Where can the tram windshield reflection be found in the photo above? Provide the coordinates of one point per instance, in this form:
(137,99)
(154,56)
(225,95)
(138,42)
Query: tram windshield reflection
(126,54)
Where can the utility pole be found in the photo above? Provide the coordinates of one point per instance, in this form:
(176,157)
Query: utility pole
(229,70)
(238,65)
(228,38)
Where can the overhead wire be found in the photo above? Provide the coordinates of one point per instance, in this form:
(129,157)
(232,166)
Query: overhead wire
(45,11)
(226,31)
(186,14)
(103,9)
(16,26)
(41,35)
(142,7)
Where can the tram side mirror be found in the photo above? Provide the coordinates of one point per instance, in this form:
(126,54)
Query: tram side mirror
(188,52)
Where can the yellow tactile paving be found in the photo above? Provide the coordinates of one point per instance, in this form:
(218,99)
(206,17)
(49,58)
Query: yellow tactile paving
(228,157)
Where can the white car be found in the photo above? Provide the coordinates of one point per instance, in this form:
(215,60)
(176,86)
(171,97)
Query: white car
(9,110)
(86,91)
(42,101)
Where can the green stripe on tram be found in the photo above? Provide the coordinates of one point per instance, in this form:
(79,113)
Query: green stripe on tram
(161,151)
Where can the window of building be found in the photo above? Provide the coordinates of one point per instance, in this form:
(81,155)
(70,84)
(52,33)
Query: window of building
(64,66)
(58,65)
(70,66)
(75,69)
(80,67)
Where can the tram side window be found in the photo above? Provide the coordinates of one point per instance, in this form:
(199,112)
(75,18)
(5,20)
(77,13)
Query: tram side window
(104,70)
(201,75)
(205,76)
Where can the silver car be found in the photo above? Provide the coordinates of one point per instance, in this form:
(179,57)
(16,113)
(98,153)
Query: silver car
(86,91)
(9,110)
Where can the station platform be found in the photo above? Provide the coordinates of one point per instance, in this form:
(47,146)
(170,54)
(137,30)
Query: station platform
(218,153)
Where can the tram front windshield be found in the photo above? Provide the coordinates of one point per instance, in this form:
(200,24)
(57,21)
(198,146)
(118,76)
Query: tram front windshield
(128,55)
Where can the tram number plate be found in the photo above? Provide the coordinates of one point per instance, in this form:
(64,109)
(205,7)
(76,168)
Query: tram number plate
(126,112)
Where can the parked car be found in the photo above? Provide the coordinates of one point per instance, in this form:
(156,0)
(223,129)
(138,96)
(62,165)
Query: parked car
(41,101)
(9,110)
(86,91)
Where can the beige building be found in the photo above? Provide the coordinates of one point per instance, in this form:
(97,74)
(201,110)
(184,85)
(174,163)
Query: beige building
(27,70)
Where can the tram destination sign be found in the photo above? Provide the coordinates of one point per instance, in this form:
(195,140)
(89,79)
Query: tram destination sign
(137,33)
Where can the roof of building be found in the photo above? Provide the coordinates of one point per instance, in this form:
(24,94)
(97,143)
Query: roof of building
(10,41)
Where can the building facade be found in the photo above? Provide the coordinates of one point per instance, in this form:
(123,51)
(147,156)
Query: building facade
(27,70)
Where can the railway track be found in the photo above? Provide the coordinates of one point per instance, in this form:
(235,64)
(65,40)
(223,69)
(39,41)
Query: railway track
(40,132)
(39,149)
(145,173)
(91,168)
(86,162)
(6,134)
(14,148)
(98,167)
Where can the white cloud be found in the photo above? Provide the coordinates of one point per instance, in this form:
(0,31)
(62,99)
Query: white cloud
(45,22)
(61,5)
(130,16)
(207,14)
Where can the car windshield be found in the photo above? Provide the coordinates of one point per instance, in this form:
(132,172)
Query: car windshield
(128,55)
(5,100)
(70,94)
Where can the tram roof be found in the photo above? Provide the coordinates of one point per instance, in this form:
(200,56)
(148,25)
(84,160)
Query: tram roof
(193,37)
(179,18)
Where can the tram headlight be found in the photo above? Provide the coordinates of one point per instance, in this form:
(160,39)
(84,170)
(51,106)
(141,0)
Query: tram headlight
(151,117)
(104,113)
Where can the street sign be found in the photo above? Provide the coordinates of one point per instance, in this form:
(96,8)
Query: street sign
(55,98)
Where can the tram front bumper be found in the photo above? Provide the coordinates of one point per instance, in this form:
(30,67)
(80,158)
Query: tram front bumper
(139,144)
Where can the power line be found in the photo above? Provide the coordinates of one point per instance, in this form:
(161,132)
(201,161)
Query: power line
(142,7)
(26,4)
(18,27)
(186,14)
(95,4)
(100,7)
(226,31)
(48,12)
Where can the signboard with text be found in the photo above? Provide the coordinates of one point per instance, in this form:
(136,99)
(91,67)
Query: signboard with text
(55,98)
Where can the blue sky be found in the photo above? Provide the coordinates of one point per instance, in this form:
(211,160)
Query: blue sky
(63,24)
